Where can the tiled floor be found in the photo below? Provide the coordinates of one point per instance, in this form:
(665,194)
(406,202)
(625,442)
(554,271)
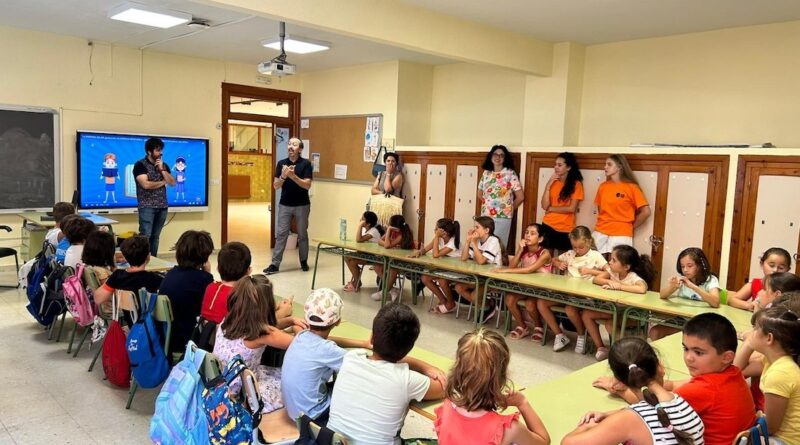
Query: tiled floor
(48,397)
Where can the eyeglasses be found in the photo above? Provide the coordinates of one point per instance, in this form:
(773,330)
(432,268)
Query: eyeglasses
(499,155)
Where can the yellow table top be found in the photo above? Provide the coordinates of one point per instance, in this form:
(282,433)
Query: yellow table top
(560,283)
(685,308)
(159,265)
(561,402)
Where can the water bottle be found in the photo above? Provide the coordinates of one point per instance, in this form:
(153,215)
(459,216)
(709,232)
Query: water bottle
(342,229)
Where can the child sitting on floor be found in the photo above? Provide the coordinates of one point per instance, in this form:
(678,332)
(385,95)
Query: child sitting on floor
(477,388)
(531,257)
(585,262)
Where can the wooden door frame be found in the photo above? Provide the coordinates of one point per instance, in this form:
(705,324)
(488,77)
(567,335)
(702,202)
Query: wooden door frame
(451,159)
(292,122)
(716,166)
(748,172)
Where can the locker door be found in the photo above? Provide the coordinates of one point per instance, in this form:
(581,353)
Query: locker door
(587,211)
(434,201)
(413,177)
(685,219)
(648,182)
(777,221)
(466,186)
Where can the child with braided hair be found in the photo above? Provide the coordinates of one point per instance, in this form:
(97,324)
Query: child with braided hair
(660,417)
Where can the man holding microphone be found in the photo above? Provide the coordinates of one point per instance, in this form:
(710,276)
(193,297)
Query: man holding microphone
(152,176)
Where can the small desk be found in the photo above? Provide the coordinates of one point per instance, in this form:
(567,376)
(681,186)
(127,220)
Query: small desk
(369,252)
(34,230)
(565,290)
(675,312)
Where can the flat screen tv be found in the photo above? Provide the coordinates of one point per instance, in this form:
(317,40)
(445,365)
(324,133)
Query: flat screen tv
(105,171)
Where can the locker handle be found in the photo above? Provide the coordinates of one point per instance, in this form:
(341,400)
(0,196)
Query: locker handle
(656,242)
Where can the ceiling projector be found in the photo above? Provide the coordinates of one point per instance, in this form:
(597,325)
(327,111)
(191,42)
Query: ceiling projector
(273,68)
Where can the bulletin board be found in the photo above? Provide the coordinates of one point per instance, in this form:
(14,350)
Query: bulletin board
(341,140)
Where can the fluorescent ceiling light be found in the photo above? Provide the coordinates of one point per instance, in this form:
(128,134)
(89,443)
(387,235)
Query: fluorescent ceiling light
(297,45)
(148,15)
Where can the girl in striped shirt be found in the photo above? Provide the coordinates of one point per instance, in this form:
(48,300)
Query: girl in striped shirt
(659,418)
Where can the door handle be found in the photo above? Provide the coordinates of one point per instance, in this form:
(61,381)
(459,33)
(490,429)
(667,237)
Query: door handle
(656,242)
(420,214)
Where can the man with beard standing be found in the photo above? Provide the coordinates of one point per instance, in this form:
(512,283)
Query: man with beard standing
(152,176)
(293,176)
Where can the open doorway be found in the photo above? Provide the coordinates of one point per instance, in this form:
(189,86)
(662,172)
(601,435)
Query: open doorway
(256,125)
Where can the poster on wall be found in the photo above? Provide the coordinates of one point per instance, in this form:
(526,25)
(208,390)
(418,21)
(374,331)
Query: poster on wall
(315,162)
(370,153)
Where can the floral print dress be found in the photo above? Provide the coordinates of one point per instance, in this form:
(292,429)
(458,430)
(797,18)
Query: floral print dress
(498,189)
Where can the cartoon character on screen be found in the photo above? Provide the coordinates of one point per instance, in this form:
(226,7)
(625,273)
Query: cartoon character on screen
(110,175)
(180,178)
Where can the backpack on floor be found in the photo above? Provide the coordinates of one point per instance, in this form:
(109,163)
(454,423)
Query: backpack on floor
(149,364)
(115,356)
(232,417)
(179,416)
(79,298)
(42,266)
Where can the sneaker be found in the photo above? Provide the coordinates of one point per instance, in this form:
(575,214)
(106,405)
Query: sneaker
(560,342)
(304,266)
(489,313)
(602,354)
(394,294)
(271,269)
(580,344)
(377,296)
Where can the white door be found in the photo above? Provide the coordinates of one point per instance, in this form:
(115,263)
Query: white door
(466,194)
(685,219)
(777,221)
(648,182)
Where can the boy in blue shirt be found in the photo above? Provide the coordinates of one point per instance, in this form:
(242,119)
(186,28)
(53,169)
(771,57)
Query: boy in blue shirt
(312,358)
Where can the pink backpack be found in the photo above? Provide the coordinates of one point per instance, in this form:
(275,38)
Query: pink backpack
(80,299)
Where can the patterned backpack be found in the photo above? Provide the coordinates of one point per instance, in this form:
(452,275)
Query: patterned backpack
(232,417)
(180,417)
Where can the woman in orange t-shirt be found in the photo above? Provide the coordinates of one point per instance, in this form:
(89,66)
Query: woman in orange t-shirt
(560,198)
(621,206)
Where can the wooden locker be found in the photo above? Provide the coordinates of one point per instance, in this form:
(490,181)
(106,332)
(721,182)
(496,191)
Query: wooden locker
(685,219)
(435,196)
(777,218)
(464,211)
(411,205)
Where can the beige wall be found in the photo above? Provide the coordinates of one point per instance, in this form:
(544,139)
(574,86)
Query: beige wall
(131,91)
(730,86)
(414,94)
(476,105)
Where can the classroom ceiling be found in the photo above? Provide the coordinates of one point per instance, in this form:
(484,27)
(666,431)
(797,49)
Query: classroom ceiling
(602,21)
(233,36)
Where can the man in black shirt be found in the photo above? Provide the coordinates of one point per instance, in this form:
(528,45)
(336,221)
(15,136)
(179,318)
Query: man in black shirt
(293,176)
(152,176)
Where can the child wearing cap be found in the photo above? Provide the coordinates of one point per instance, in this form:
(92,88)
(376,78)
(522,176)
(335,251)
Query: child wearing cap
(313,357)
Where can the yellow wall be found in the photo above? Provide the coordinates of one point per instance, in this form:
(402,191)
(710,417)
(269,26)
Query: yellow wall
(731,86)
(414,90)
(476,105)
(132,91)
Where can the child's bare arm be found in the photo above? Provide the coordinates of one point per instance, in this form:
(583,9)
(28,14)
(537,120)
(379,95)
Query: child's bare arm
(351,342)
(740,299)
(437,376)
(602,278)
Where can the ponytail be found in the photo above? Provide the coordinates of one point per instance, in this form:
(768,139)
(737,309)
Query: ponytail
(452,228)
(682,437)
(456,234)
(407,237)
(639,264)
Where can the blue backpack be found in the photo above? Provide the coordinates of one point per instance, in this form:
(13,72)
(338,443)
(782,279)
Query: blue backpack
(180,417)
(149,364)
(232,417)
(45,293)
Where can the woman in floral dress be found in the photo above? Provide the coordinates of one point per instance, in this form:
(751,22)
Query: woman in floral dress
(499,190)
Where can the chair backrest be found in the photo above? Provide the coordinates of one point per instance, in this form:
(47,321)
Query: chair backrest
(320,433)
(163,313)
(210,369)
(756,435)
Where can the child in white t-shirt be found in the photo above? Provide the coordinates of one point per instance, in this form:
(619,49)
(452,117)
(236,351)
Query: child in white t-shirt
(446,242)
(367,231)
(583,261)
(483,247)
(60,210)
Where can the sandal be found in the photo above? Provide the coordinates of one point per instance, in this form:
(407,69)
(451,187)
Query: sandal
(538,334)
(519,333)
(349,287)
(442,309)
